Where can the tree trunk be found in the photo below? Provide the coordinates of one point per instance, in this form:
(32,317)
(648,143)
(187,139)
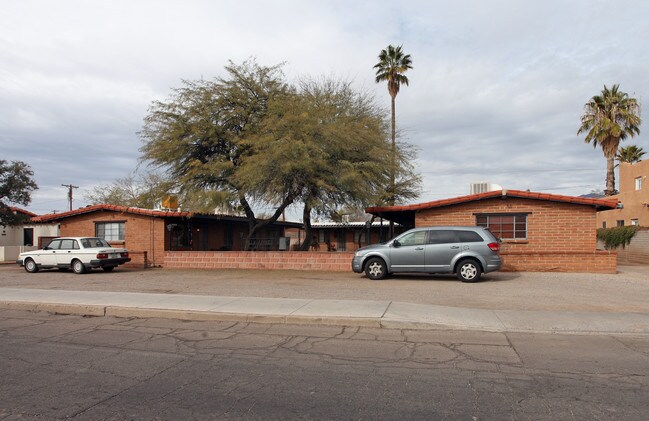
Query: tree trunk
(252,221)
(254,225)
(610,148)
(610,176)
(308,232)
(393,163)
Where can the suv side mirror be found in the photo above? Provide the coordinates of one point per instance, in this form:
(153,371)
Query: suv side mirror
(396,243)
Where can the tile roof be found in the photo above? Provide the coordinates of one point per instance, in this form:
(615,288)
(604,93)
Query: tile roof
(598,203)
(23,211)
(104,207)
(146,212)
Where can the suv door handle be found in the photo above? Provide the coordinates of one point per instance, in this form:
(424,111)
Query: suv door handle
(455,247)
(419,248)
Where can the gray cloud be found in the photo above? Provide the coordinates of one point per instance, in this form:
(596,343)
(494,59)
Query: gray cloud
(495,95)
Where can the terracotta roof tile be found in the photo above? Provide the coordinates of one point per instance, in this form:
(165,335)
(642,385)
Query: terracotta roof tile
(23,211)
(106,207)
(599,203)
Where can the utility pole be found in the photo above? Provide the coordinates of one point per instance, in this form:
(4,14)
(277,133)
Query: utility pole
(70,187)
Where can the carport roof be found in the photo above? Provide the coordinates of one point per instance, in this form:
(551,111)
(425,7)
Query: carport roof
(406,214)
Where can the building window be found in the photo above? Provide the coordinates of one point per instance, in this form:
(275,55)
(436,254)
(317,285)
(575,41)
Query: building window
(634,222)
(505,226)
(604,224)
(323,236)
(638,183)
(228,239)
(620,222)
(110,231)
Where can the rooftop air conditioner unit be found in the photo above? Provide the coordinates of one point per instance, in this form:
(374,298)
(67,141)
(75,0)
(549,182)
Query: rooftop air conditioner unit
(483,187)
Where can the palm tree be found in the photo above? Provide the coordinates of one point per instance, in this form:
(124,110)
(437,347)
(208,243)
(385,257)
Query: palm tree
(630,154)
(392,65)
(608,119)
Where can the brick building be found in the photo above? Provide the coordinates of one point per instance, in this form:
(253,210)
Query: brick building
(149,233)
(539,232)
(633,198)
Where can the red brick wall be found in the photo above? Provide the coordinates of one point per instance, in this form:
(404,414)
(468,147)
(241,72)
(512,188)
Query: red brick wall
(594,262)
(141,233)
(561,237)
(278,260)
(551,226)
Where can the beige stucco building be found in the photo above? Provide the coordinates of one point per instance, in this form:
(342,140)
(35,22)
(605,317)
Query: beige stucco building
(14,240)
(633,198)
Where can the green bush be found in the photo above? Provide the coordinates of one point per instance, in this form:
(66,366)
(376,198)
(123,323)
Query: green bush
(617,236)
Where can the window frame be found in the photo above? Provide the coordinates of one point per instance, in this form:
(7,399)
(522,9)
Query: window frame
(497,231)
(638,183)
(121,230)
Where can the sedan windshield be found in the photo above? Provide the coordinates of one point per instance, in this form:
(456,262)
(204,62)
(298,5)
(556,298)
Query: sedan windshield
(94,242)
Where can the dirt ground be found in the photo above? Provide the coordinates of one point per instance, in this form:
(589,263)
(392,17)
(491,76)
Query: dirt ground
(626,291)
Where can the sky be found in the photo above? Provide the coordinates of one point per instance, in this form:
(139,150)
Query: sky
(495,95)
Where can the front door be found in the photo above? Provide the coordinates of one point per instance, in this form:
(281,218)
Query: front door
(28,237)
(409,254)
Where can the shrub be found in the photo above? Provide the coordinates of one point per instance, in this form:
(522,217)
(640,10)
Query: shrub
(616,236)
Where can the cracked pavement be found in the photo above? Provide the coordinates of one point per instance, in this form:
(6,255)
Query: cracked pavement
(84,368)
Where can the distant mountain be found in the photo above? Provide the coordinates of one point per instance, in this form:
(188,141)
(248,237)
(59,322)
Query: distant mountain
(593,195)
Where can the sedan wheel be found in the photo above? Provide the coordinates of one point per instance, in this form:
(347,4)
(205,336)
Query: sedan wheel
(469,271)
(31,266)
(376,269)
(78,267)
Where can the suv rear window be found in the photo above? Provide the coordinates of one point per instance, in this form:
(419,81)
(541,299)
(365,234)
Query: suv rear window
(469,237)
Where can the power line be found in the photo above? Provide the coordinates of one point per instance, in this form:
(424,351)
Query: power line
(513,171)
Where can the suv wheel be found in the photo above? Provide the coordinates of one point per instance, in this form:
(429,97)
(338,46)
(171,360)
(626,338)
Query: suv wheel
(469,270)
(376,269)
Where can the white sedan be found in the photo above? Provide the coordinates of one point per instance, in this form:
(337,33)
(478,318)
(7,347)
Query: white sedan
(79,253)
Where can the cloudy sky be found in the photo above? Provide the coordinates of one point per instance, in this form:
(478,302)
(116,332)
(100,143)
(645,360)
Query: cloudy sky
(495,94)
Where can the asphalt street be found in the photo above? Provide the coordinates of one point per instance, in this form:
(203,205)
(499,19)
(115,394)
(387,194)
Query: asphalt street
(104,368)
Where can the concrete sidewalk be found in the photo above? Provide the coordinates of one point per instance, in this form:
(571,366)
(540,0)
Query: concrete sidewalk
(388,314)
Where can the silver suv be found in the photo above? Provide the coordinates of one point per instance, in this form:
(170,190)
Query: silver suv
(465,251)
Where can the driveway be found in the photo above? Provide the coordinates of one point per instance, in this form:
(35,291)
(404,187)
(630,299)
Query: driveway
(626,291)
